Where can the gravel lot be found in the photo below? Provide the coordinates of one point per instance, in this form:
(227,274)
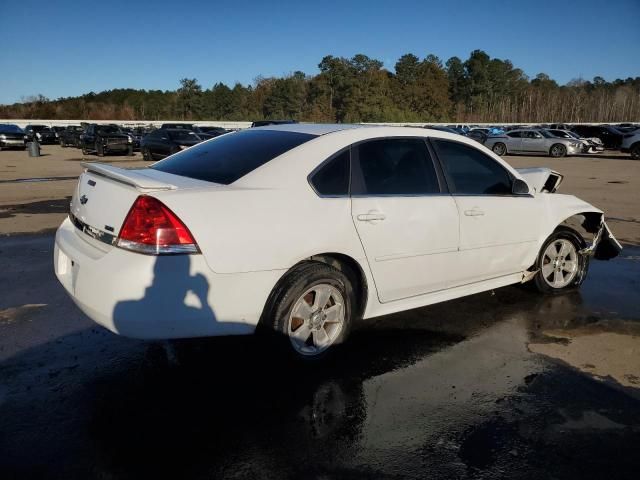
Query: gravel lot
(504,384)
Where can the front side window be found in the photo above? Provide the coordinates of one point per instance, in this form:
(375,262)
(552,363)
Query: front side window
(395,166)
(227,158)
(332,178)
(471,172)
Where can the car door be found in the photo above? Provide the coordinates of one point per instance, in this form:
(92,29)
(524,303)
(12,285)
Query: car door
(514,141)
(532,141)
(408,226)
(498,229)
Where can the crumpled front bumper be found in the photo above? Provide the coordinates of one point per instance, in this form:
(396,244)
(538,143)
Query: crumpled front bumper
(604,245)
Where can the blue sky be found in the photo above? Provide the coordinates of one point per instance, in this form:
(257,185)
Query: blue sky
(64,48)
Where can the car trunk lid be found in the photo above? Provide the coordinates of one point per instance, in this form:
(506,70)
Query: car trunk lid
(105,194)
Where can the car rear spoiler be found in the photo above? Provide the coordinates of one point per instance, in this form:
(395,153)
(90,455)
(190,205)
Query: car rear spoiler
(135,178)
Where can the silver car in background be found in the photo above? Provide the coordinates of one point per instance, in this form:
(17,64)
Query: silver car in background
(590,145)
(533,141)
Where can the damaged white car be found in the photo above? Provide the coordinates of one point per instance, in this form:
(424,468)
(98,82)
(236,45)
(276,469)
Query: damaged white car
(302,230)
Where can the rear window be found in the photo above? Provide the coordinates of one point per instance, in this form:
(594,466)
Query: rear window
(227,158)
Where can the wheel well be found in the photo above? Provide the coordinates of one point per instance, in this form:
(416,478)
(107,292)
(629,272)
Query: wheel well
(346,264)
(352,269)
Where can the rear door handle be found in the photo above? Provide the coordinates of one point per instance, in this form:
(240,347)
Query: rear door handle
(371,217)
(473,213)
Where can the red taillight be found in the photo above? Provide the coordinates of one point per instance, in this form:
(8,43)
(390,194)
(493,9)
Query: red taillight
(150,227)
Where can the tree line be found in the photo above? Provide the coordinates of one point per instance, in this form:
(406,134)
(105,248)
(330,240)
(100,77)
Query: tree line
(360,89)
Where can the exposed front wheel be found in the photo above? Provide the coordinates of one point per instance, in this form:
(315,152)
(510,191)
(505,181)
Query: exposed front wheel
(310,311)
(558,150)
(500,149)
(560,265)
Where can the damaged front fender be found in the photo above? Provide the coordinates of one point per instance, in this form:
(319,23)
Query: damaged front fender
(604,245)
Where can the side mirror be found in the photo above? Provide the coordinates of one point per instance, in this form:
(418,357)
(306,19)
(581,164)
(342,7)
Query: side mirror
(519,187)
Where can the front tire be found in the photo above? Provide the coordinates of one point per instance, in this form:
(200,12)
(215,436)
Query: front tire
(558,150)
(310,311)
(500,149)
(99,150)
(560,266)
(130,151)
(146,154)
(635,151)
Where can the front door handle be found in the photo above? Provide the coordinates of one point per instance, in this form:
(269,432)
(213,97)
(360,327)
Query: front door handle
(371,217)
(474,212)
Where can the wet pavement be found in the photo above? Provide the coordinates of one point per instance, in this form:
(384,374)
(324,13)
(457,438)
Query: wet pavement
(492,386)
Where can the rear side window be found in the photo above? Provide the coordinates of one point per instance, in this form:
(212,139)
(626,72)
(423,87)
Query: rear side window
(515,134)
(394,166)
(332,178)
(470,171)
(229,157)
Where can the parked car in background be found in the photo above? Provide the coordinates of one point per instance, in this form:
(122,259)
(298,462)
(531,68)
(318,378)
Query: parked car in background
(210,131)
(70,136)
(167,141)
(45,135)
(611,137)
(57,130)
(12,136)
(533,141)
(300,231)
(440,128)
(105,139)
(631,144)
(185,126)
(263,123)
(136,137)
(590,145)
(480,135)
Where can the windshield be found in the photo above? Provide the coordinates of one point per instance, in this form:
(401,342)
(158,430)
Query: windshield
(227,158)
(108,129)
(560,133)
(545,134)
(181,135)
(10,129)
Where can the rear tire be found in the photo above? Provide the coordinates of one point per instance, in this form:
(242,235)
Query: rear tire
(499,149)
(558,150)
(84,150)
(635,151)
(146,154)
(561,267)
(130,151)
(309,313)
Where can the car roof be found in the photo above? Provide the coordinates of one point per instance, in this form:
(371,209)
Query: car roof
(314,128)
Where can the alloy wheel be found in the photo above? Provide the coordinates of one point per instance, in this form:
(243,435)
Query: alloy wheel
(316,319)
(560,263)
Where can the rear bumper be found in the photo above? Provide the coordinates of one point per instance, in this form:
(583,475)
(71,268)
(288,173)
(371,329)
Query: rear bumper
(157,297)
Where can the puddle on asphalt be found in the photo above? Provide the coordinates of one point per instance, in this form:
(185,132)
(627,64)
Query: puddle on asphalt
(44,206)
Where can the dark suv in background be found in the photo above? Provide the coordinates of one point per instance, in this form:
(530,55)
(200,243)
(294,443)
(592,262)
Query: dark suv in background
(610,136)
(105,139)
(70,136)
(42,133)
(12,136)
(167,141)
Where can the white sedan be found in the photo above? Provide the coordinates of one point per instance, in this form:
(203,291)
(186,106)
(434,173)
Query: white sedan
(301,230)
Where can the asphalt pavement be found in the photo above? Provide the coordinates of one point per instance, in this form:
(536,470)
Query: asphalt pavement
(455,390)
